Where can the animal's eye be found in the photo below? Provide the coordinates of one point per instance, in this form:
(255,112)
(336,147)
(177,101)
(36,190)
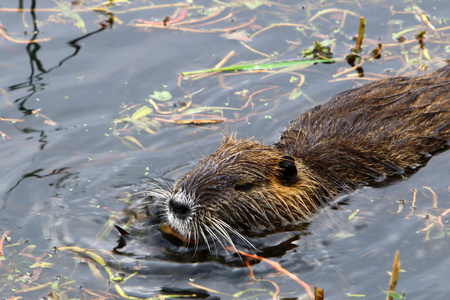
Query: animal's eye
(244,187)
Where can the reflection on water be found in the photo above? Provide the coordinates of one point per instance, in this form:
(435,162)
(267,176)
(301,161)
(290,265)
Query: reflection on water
(35,82)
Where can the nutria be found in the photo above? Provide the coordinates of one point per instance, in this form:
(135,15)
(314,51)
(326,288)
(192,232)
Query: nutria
(367,136)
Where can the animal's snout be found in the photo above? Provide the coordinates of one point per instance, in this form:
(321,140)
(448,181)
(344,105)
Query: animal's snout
(179,209)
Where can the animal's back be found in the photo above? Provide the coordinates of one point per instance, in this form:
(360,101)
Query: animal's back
(360,137)
(380,131)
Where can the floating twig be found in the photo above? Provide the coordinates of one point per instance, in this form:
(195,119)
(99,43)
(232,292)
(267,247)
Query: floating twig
(33,41)
(332,10)
(279,268)
(394,277)
(435,197)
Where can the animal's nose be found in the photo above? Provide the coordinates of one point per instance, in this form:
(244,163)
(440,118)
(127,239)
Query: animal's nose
(179,209)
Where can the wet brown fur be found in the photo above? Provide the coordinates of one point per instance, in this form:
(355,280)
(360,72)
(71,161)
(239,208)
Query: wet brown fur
(361,137)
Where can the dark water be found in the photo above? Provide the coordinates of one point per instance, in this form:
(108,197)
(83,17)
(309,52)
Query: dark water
(61,182)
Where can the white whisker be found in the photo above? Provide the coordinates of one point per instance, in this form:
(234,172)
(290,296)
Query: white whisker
(223,233)
(235,232)
(215,237)
(202,233)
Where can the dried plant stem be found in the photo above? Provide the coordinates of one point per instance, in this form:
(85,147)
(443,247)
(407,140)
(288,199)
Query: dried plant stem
(362,29)
(394,276)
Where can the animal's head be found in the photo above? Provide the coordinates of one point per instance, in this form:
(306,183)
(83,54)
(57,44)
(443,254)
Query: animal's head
(244,186)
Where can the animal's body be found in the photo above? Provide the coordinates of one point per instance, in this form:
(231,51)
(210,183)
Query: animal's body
(361,137)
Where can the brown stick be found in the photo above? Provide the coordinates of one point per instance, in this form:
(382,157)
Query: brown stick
(394,276)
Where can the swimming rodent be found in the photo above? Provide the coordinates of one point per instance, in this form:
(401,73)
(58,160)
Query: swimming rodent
(366,136)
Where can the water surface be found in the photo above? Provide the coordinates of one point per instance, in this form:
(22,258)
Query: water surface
(64,173)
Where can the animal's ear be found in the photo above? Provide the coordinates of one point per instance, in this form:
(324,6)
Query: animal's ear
(287,171)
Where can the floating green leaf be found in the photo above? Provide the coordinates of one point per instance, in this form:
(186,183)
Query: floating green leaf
(295,94)
(265,66)
(135,122)
(320,50)
(252,4)
(395,36)
(353,214)
(161,95)
(356,295)
(69,13)
(142,112)
(55,286)
(133,140)
(394,295)
(106,228)
(41,264)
